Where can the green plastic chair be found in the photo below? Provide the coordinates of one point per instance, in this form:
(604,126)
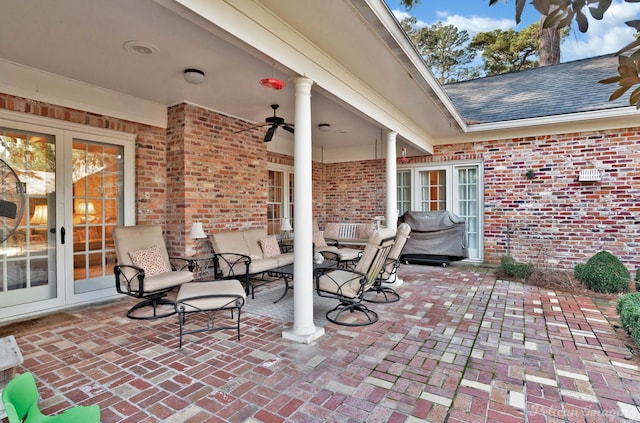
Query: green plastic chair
(20,399)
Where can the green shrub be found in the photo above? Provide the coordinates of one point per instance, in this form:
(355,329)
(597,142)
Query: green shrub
(638,280)
(635,335)
(516,269)
(604,272)
(628,308)
(578,271)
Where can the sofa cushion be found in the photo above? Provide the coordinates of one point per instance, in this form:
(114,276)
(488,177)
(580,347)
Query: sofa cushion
(252,239)
(228,242)
(365,230)
(284,259)
(331,230)
(270,247)
(150,260)
(263,265)
(318,239)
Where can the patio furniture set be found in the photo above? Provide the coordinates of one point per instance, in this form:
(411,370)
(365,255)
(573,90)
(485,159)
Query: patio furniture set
(145,271)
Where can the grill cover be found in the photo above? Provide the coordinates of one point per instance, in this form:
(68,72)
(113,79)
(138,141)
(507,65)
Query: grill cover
(435,233)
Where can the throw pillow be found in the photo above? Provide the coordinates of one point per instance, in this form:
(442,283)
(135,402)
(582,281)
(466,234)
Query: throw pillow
(318,239)
(150,260)
(365,230)
(270,247)
(331,230)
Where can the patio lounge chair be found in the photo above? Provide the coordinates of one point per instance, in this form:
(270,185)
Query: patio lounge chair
(144,269)
(331,250)
(20,400)
(349,285)
(385,294)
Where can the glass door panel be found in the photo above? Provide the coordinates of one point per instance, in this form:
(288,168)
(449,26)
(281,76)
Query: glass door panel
(290,202)
(433,190)
(404,191)
(98,175)
(275,202)
(467,206)
(28,257)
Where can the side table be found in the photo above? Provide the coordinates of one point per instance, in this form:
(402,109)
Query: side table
(200,265)
(286,245)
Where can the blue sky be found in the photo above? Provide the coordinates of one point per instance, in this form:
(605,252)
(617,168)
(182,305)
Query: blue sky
(603,37)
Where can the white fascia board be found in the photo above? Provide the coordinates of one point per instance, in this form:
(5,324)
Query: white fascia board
(258,27)
(27,82)
(598,120)
(418,68)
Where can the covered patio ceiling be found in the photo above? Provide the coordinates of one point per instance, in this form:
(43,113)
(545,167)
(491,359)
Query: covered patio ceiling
(367,76)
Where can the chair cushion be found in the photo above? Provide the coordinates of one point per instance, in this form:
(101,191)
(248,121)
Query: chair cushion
(210,295)
(163,280)
(150,260)
(270,247)
(341,283)
(347,254)
(318,239)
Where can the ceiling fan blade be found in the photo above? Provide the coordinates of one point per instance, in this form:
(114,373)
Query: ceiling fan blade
(257,125)
(288,128)
(269,135)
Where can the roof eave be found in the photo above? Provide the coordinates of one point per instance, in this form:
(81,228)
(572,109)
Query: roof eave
(568,123)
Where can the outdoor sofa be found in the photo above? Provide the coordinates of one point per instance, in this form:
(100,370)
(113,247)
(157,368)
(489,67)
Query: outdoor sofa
(246,253)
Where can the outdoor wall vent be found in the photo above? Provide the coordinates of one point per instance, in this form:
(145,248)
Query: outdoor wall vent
(589,175)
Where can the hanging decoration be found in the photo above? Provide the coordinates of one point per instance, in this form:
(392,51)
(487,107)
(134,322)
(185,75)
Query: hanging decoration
(273,83)
(404,158)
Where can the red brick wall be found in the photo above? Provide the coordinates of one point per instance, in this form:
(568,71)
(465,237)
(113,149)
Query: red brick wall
(214,175)
(355,191)
(553,219)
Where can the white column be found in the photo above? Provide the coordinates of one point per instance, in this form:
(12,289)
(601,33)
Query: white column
(391,218)
(303,329)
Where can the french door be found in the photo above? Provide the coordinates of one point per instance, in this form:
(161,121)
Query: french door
(455,187)
(76,182)
(280,198)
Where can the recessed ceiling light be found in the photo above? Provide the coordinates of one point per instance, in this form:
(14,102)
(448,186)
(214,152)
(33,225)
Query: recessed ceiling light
(140,47)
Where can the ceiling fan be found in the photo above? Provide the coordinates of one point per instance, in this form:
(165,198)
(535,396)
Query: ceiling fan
(274,122)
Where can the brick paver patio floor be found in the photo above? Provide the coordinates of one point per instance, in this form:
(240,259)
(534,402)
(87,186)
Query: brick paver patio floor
(460,346)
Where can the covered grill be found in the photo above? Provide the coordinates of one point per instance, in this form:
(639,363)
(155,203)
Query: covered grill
(437,237)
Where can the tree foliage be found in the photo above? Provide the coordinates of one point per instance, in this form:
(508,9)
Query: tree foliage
(443,48)
(562,13)
(507,51)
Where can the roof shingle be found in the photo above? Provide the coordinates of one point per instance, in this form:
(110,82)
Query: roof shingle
(569,87)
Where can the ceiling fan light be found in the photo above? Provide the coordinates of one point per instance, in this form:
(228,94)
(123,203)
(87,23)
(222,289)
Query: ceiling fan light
(273,83)
(194,76)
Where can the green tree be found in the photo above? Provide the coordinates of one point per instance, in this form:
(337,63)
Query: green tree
(561,14)
(507,51)
(443,48)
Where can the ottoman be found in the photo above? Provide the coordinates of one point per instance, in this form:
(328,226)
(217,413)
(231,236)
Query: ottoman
(211,298)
